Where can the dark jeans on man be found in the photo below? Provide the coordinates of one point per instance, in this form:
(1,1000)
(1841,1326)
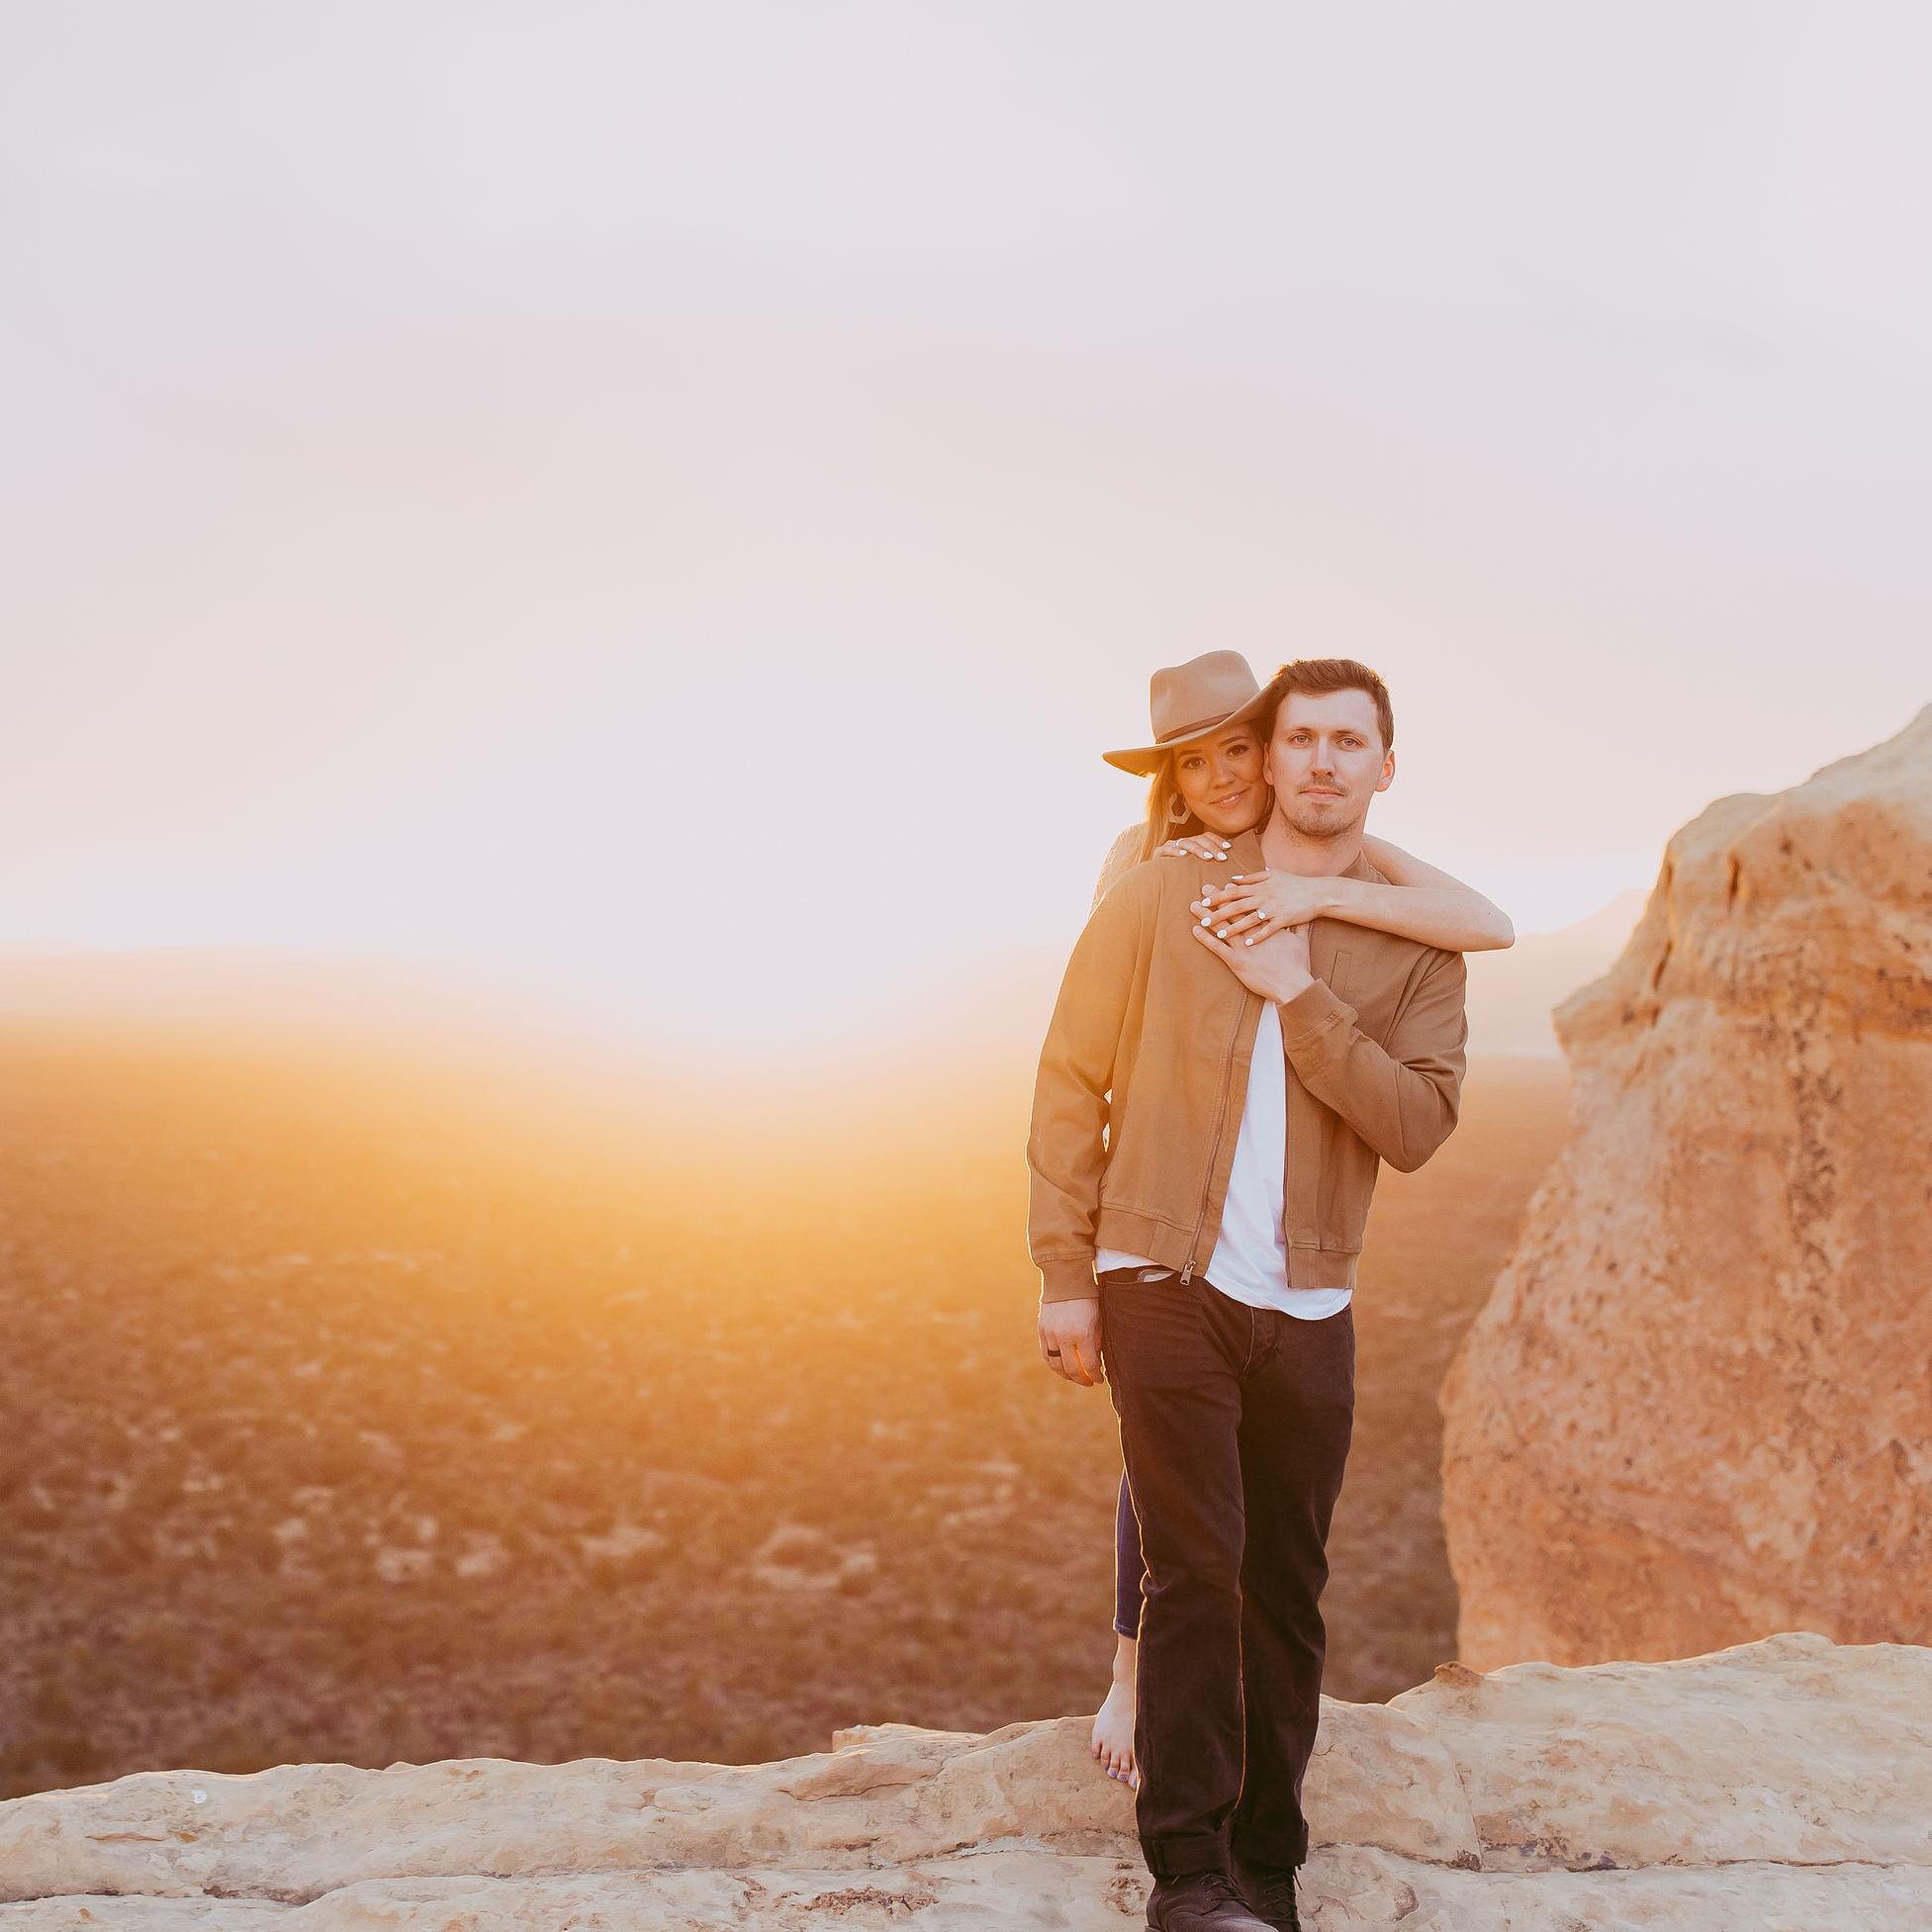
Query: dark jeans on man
(1235,1425)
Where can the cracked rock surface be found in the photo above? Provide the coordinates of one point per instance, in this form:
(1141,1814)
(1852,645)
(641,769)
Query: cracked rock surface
(1786,1783)
(1704,1365)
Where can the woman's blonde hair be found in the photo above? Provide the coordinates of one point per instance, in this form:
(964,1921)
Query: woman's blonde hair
(1163,792)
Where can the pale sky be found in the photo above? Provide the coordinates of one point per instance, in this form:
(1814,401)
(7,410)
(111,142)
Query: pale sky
(664,505)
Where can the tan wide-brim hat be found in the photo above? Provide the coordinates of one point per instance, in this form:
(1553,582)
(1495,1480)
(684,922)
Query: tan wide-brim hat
(1192,700)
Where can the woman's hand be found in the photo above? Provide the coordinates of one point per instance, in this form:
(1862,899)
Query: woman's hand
(1203,845)
(1254,906)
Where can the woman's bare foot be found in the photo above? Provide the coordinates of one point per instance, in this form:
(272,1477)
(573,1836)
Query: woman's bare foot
(1112,1727)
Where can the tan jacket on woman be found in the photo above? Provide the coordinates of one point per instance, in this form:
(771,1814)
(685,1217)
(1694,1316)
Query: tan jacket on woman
(1137,1101)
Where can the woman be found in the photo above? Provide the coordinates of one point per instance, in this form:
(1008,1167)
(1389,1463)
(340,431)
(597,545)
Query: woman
(1206,788)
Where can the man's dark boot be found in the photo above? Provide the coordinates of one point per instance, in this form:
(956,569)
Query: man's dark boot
(1269,1891)
(1200,1901)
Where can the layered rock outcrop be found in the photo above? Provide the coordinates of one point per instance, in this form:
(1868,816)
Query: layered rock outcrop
(1781,1783)
(1697,1408)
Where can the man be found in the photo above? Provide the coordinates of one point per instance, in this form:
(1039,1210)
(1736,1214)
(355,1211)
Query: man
(1209,1118)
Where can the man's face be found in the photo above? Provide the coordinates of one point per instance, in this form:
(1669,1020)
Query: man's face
(1325,760)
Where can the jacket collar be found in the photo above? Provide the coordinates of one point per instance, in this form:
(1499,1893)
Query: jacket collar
(1245,854)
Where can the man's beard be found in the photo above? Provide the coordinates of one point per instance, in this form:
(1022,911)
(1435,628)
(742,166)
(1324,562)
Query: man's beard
(1321,829)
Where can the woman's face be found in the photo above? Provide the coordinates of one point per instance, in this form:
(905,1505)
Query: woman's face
(1220,779)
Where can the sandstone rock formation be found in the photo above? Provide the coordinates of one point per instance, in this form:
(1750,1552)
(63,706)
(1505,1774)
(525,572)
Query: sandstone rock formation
(1784,1782)
(1697,1408)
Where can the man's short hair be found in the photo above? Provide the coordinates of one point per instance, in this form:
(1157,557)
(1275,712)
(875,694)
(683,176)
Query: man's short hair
(1318,676)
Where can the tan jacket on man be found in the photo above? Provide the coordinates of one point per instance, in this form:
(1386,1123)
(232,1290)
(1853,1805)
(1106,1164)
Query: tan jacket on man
(1137,1101)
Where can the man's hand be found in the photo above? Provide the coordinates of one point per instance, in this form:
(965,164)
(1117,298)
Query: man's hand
(1276,968)
(1070,1340)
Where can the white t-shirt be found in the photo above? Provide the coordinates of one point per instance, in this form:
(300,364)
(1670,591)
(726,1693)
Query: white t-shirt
(1250,1262)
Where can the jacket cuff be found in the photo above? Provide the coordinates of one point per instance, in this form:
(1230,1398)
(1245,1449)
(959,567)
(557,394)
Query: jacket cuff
(1309,1014)
(1068,1280)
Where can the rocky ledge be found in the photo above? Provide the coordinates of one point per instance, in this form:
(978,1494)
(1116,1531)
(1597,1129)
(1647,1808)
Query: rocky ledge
(1780,1784)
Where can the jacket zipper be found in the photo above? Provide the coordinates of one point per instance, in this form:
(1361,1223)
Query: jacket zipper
(1219,1123)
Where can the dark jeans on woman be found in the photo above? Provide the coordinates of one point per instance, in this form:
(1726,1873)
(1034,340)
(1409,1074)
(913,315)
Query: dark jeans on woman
(1128,1563)
(1235,1425)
